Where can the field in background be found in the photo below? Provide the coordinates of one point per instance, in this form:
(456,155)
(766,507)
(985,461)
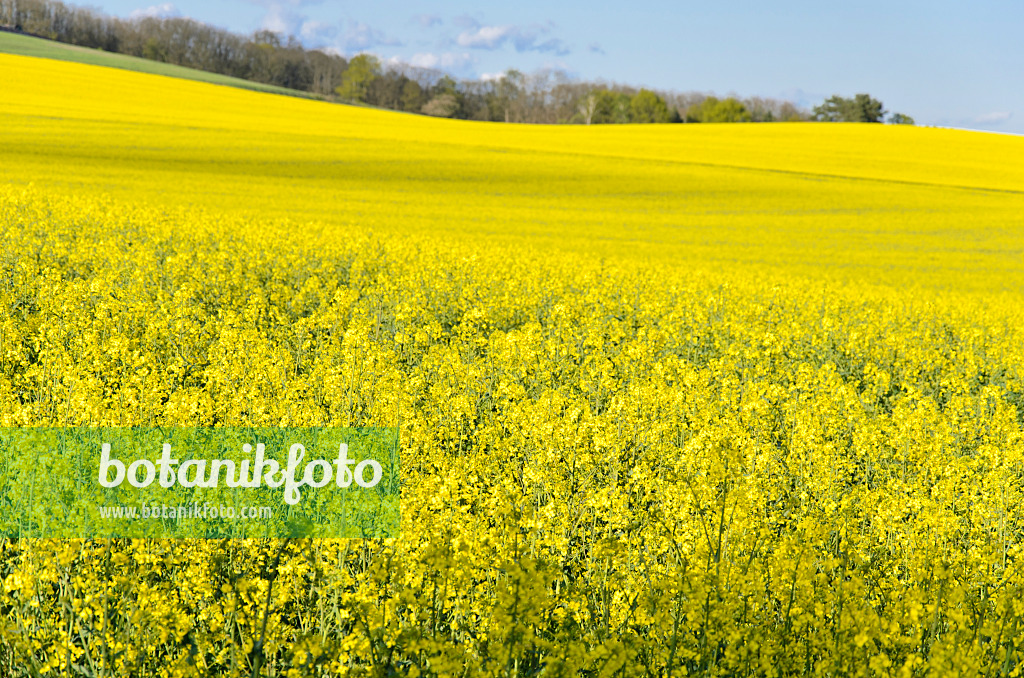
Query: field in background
(845,201)
(679,399)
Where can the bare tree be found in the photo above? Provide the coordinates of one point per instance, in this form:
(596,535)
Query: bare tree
(588,107)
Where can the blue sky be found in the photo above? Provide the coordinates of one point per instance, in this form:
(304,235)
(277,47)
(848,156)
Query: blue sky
(943,62)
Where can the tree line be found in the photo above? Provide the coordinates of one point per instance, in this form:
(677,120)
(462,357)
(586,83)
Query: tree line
(263,57)
(546,96)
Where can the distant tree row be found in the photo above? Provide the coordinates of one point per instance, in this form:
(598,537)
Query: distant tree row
(262,57)
(861,108)
(547,96)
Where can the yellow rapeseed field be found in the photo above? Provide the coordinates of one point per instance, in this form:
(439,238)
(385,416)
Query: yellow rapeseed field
(674,399)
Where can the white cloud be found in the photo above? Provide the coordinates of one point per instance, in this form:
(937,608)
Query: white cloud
(447,60)
(524,39)
(290,3)
(360,37)
(287,17)
(555,65)
(317,31)
(487,77)
(425,60)
(456,61)
(993,118)
(551,45)
(280,18)
(485,37)
(427,20)
(164,11)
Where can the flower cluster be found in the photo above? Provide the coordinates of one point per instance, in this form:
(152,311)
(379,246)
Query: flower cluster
(606,470)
